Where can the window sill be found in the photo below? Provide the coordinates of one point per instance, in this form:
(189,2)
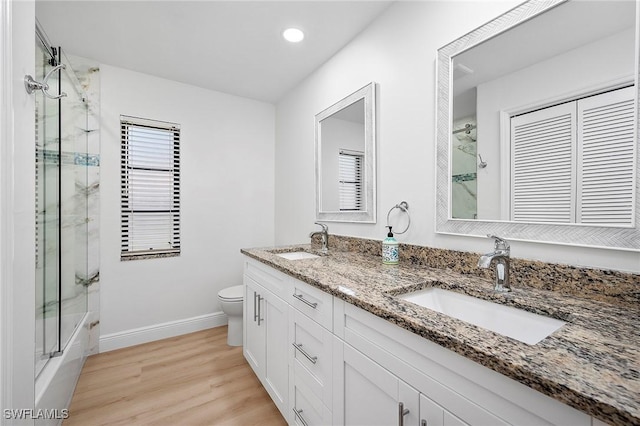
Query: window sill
(147,256)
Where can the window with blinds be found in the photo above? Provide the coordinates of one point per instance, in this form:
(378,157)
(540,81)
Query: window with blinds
(150,188)
(574,162)
(351,182)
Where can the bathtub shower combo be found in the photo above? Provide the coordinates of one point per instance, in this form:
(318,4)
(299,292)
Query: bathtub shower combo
(465,163)
(63,273)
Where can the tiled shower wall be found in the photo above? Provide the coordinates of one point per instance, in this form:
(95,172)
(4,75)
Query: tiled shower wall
(88,73)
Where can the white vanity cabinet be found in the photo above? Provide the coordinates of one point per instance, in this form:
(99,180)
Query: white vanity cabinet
(452,389)
(266,316)
(325,361)
(368,394)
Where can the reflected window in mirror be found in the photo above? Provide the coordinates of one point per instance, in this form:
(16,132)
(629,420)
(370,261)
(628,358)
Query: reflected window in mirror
(566,60)
(351,180)
(345,159)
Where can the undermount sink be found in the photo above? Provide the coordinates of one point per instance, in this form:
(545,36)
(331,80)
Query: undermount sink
(524,326)
(297,255)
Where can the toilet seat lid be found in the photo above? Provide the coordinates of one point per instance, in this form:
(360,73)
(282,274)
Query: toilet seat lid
(232,293)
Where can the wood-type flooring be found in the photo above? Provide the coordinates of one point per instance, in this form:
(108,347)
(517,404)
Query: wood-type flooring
(193,379)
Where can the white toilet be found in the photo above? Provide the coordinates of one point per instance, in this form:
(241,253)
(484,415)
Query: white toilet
(231,301)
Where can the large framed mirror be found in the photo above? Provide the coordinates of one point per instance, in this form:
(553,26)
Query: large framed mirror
(346,159)
(537,126)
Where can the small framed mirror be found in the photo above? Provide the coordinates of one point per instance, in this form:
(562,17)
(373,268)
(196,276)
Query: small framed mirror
(345,159)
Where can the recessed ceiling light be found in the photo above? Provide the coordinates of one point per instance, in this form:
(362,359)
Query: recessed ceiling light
(293,35)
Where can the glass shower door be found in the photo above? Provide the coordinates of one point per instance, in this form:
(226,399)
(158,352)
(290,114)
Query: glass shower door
(61,206)
(73,198)
(47,153)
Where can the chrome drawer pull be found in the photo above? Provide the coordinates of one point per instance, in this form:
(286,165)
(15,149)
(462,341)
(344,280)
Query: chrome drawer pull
(401,413)
(305,301)
(255,309)
(260,299)
(313,359)
(299,416)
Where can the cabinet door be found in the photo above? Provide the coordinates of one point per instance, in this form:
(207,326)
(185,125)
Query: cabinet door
(306,408)
(451,420)
(254,334)
(431,414)
(274,321)
(370,395)
(265,340)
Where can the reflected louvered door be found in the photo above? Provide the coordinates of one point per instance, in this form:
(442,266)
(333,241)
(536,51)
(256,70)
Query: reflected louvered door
(606,158)
(543,165)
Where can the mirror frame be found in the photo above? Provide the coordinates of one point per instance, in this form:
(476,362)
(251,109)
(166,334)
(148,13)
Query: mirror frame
(368,215)
(624,238)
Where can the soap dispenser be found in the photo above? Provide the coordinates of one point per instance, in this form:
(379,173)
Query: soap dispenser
(390,250)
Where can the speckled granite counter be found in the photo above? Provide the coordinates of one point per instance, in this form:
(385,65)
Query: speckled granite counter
(592,363)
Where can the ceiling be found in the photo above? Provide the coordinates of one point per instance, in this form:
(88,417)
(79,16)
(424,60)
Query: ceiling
(234,47)
(557,31)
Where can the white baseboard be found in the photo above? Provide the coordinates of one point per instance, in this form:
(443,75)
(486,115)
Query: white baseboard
(136,336)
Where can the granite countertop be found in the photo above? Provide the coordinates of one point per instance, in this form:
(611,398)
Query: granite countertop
(592,363)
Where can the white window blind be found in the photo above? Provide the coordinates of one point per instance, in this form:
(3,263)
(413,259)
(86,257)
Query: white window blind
(351,186)
(150,187)
(574,162)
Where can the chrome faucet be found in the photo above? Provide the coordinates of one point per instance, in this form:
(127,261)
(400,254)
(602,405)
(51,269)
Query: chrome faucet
(325,236)
(501,255)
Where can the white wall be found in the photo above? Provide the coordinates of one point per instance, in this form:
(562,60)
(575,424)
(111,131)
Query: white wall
(398,51)
(227,193)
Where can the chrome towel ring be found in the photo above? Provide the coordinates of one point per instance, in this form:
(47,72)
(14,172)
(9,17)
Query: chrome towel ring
(404,206)
(31,85)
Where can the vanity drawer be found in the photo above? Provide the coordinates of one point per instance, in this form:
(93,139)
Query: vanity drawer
(275,281)
(313,302)
(311,356)
(306,408)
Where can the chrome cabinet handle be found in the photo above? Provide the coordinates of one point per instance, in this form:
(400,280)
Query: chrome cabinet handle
(401,413)
(299,416)
(313,359)
(255,310)
(301,298)
(260,299)
(423,422)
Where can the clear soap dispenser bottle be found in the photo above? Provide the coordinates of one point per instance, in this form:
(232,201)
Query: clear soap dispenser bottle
(390,250)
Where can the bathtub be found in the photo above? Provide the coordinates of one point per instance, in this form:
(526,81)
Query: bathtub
(54,386)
